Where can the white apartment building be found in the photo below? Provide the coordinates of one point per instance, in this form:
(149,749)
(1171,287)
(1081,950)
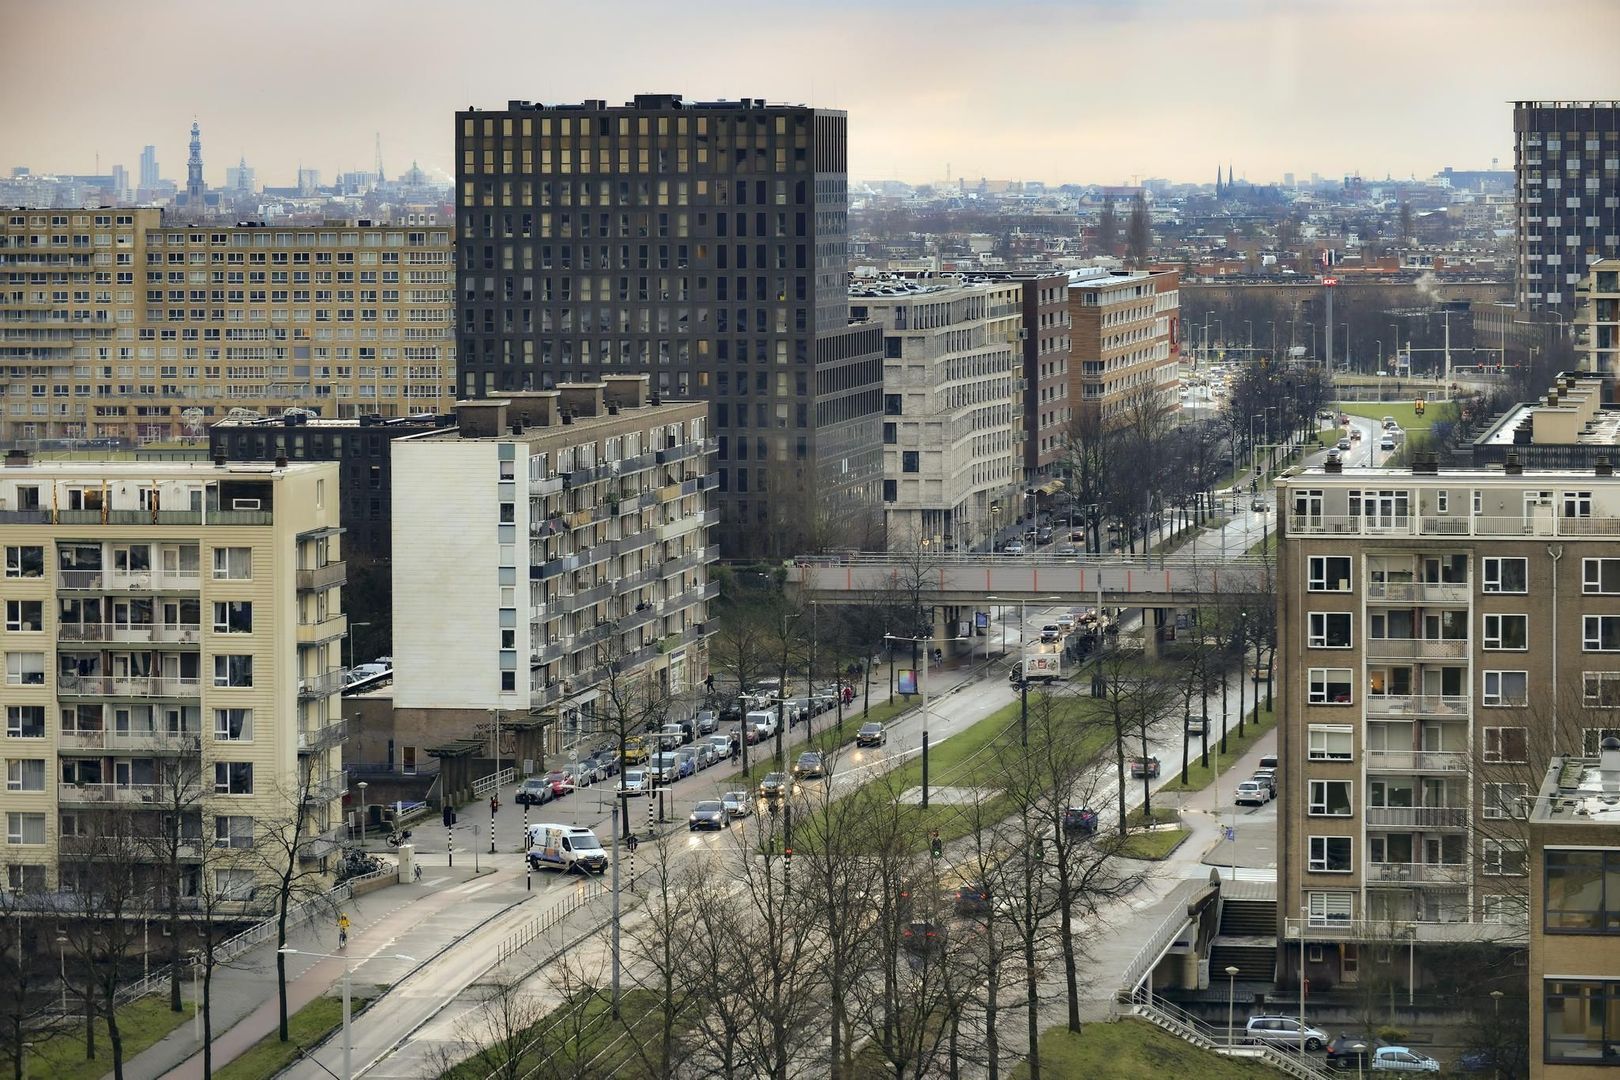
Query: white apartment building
(172,647)
(546,536)
(953,423)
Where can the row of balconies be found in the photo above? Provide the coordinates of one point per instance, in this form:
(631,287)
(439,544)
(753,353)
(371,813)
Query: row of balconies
(1409,706)
(129,580)
(324,737)
(1459,525)
(1417,648)
(162,633)
(1418,591)
(322,577)
(126,794)
(140,686)
(137,517)
(129,742)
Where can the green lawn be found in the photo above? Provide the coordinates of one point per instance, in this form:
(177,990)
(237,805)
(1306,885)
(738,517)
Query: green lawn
(1153,846)
(1403,412)
(1198,777)
(1133,1049)
(572,1036)
(305,1028)
(141,1023)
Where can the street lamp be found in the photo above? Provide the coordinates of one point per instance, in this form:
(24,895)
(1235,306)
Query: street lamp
(1358,1049)
(1496,1036)
(362,786)
(61,949)
(348,970)
(922,688)
(1231,998)
(1023,664)
(348,636)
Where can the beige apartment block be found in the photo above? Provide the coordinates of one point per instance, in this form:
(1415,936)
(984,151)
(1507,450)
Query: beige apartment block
(1440,636)
(120,325)
(172,643)
(1597,319)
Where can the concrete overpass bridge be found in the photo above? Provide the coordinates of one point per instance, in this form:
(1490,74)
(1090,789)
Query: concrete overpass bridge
(949,579)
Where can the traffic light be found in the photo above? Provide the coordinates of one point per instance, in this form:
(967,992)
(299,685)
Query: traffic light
(449,815)
(787,859)
(936,847)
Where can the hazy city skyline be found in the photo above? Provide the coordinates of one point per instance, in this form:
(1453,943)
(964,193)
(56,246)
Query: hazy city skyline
(1030,89)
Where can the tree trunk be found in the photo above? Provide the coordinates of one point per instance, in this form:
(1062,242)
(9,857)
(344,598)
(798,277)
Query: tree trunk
(1071,963)
(992,1045)
(207,1021)
(1119,764)
(89,1023)
(1243,677)
(114,1038)
(1030,1008)
(174,936)
(281,966)
(1147,781)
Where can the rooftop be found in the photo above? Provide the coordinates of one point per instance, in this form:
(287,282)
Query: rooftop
(303,419)
(20,466)
(1581,790)
(645,102)
(571,408)
(1571,412)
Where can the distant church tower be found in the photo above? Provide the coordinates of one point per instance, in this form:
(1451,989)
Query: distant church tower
(194,174)
(1219,189)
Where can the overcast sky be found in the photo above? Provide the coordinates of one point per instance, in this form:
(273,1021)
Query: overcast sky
(1054,90)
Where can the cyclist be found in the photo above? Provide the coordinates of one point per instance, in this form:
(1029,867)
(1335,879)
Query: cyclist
(343,929)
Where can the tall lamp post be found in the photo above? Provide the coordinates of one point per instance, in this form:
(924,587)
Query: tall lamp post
(1023,664)
(1231,1000)
(349,637)
(348,970)
(922,688)
(362,786)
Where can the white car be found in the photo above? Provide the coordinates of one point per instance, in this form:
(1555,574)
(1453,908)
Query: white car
(633,782)
(1251,793)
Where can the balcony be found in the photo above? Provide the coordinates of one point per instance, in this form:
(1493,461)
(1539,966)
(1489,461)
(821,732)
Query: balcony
(125,794)
(690,561)
(311,687)
(1322,928)
(541,696)
(548,653)
(585,598)
(333,573)
(1416,873)
(325,789)
(129,742)
(1417,648)
(126,581)
(143,686)
(322,738)
(1545,523)
(1416,761)
(670,455)
(671,530)
(1418,592)
(1417,706)
(313,633)
(163,633)
(549,486)
(1417,817)
(624,545)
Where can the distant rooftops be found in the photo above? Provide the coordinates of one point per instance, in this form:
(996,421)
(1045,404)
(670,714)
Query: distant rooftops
(536,412)
(1570,412)
(303,418)
(646,103)
(1581,790)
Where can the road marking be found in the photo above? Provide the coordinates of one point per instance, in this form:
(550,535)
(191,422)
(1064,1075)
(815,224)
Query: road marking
(470,888)
(436,881)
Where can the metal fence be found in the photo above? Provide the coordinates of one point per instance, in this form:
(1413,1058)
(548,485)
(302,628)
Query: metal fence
(529,931)
(1190,1028)
(486,784)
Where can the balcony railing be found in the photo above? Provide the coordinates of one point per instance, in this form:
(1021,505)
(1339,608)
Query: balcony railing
(549,486)
(325,789)
(681,526)
(323,685)
(1432,592)
(1390,931)
(313,633)
(1418,817)
(1547,524)
(540,696)
(333,573)
(125,580)
(139,742)
(1416,761)
(1417,872)
(125,794)
(1418,648)
(1418,705)
(157,686)
(323,737)
(168,633)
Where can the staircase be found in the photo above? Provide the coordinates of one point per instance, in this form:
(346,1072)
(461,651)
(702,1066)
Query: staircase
(1246,940)
(1192,1030)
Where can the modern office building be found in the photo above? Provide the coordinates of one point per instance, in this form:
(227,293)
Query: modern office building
(702,243)
(563,534)
(149,168)
(1045,340)
(1597,319)
(122,326)
(1124,336)
(1574,831)
(953,414)
(1440,635)
(172,644)
(1566,164)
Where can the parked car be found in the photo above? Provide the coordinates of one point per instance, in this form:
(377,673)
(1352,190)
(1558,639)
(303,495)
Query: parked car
(1402,1059)
(666,767)
(1251,793)
(633,782)
(581,773)
(635,750)
(736,803)
(871,734)
(1340,1056)
(722,744)
(1197,725)
(561,783)
(1268,761)
(607,763)
(1144,767)
(1477,1061)
(1268,777)
(708,814)
(773,786)
(809,766)
(535,791)
(1079,819)
(688,756)
(706,753)
(1043,535)
(1013,547)
(1284,1032)
(708,721)
(670,736)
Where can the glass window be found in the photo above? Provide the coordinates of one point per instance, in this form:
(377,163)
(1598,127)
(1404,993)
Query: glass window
(1331,743)
(25,562)
(25,721)
(1329,630)
(1330,686)
(1329,798)
(1600,576)
(1601,689)
(233,777)
(1581,1021)
(1503,858)
(25,774)
(1505,576)
(1582,891)
(1507,632)
(1504,688)
(25,828)
(1330,854)
(25,669)
(1329,573)
(25,615)
(1502,802)
(233,831)
(233,670)
(233,616)
(1600,633)
(233,725)
(233,563)
(1505,744)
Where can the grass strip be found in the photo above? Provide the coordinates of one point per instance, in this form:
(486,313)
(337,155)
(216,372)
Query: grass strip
(141,1024)
(568,1040)
(1199,777)
(1404,412)
(1153,846)
(305,1030)
(1131,1049)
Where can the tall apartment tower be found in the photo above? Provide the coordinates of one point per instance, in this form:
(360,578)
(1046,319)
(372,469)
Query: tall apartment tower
(195,188)
(149,167)
(1440,636)
(1566,158)
(702,243)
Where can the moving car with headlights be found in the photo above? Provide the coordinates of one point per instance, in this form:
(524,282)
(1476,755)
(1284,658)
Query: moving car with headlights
(708,814)
(736,804)
(809,766)
(871,734)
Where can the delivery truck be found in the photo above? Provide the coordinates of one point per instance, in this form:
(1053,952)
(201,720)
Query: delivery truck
(565,848)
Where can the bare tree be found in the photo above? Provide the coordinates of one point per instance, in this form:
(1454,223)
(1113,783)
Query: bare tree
(657,943)
(28,1007)
(175,846)
(1134,700)
(1138,234)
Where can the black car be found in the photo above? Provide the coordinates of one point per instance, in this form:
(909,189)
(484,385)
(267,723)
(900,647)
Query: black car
(972,898)
(809,766)
(871,734)
(708,721)
(1079,819)
(921,936)
(1340,1056)
(708,814)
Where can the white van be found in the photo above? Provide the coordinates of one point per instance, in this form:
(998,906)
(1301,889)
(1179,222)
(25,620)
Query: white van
(763,721)
(565,848)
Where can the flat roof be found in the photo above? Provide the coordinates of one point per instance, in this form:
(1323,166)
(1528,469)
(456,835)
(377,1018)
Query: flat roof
(1577,791)
(150,470)
(1605,430)
(329,422)
(1374,475)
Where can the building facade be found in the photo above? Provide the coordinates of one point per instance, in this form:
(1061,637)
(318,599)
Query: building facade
(569,530)
(1437,634)
(172,646)
(1045,340)
(701,243)
(1597,319)
(1125,350)
(1575,917)
(953,416)
(122,326)
(1566,165)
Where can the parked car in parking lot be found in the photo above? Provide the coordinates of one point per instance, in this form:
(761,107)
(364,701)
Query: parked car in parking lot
(688,756)
(722,745)
(871,734)
(1402,1059)
(1251,793)
(535,791)
(580,774)
(670,736)
(706,753)
(607,763)
(561,783)
(1284,1032)
(1268,779)
(633,782)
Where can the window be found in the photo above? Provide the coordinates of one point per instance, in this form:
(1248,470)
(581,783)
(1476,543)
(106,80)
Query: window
(25,828)
(1582,890)
(1505,744)
(25,668)
(1329,798)
(1505,576)
(25,877)
(24,561)
(1501,801)
(1601,689)
(233,616)
(25,774)
(233,670)
(1330,630)
(1600,576)
(1329,573)
(1330,686)
(1507,632)
(233,831)
(1580,1021)
(1509,910)
(233,564)
(234,884)
(1331,743)
(25,721)
(1577,504)
(1503,858)
(1504,688)
(1330,854)
(233,778)
(1330,908)
(1600,633)
(25,615)
(233,725)
(910,461)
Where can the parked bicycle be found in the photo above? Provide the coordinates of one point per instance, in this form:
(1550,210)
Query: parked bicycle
(403,836)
